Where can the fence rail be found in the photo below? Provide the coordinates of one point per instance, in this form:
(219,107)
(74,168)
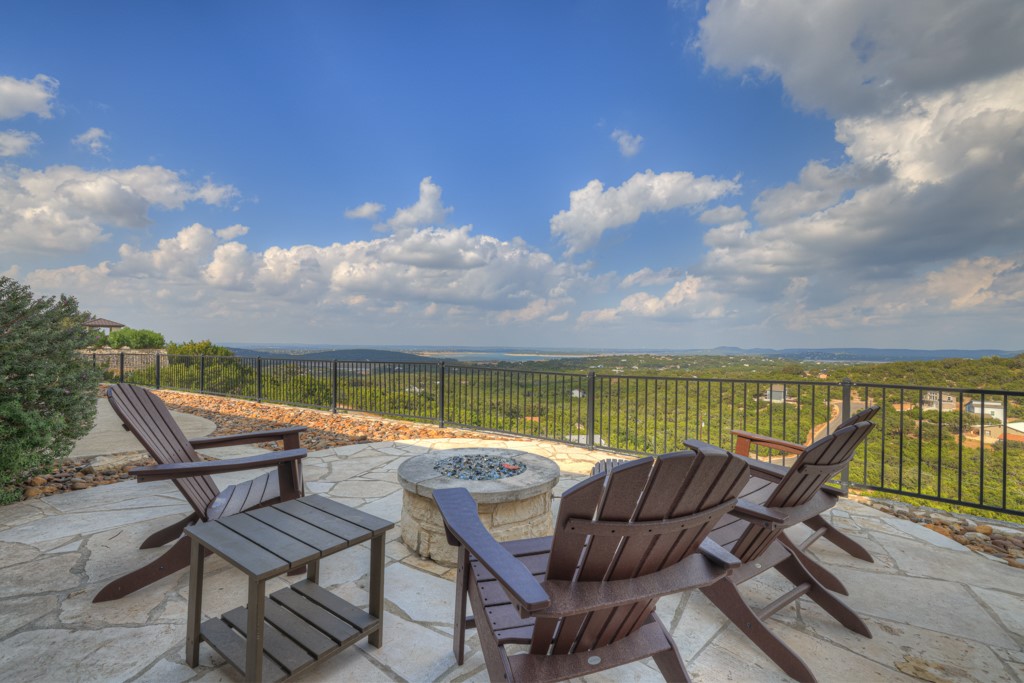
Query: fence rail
(943,444)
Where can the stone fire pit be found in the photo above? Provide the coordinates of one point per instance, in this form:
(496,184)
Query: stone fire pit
(517,504)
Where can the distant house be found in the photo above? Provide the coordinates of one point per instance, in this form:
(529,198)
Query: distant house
(103,325)
(990,408)
(938,400)
(776,393)
(579,393)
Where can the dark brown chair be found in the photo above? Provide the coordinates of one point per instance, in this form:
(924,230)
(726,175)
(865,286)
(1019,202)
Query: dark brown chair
(767,476)
(145,415)
(754,534)
(584,599)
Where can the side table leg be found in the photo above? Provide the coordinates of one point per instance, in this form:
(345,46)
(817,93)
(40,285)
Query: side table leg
(313,571)
(195,604)
(377,588)
(254,631)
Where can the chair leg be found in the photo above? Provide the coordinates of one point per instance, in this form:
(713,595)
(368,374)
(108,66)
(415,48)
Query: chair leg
(461,598)
(176,558)
(169,534)
(824,576)
(724,596)
(793,570)
(839,539)
(670,662)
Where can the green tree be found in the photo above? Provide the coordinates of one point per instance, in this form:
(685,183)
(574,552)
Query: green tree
(135,339)
(197,348)
(47,389)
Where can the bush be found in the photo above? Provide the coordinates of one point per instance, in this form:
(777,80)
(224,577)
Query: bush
(47,389)
(197,348)
(135,339)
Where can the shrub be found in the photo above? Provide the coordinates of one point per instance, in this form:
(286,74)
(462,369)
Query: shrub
(135,339)
(47,389)
(197,348)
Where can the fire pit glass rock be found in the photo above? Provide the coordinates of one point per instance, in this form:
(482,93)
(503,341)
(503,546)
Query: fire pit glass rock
(513,503)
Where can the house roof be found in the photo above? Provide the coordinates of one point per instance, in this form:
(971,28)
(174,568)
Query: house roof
(102,322)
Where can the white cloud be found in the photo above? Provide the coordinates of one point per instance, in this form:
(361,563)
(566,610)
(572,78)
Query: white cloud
(65,208)
(850,57)
(689,298)
(232,231)
(365,210)
(15,142)
(95,139)
(723,214)
(35,96)
(910,230)
(428,210)
(594,210)
(629,145)
(646,277)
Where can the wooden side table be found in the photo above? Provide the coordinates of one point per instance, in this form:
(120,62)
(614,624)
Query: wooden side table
(277,637)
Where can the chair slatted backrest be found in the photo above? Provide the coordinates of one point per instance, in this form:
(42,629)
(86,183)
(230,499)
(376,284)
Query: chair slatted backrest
(816,465)
(601,535)
(146,416)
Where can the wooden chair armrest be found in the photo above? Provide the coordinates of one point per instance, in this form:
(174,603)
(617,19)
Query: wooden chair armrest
(462,525)
(579,597)
(176,470)
(744,440)
(758,514)
(718,555)
(250,437)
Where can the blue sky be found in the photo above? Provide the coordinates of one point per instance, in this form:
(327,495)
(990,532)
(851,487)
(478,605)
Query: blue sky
(591,174)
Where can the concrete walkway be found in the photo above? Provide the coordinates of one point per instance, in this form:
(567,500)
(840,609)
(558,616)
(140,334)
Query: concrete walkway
(937,611)
(108,437)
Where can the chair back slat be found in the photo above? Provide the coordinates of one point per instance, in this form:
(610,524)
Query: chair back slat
(682,495)
(146,416)
(816,465)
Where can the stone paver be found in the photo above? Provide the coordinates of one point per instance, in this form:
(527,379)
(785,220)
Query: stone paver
(937,612)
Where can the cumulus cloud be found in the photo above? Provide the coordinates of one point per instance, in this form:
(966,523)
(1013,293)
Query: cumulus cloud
(723,214)
(15,142)
(365,210)
(94,139)
(232,231)
(594,209)
(629,145)
(65,208)
(428,210)
(913,223)
(689,298)
(35,96)
(850,57)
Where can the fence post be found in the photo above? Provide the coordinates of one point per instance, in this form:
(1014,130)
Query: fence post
(844,481)
(202,374)
(259,379)
(157,369)
(121,380)
(334,386)
(440,394)
(590,409)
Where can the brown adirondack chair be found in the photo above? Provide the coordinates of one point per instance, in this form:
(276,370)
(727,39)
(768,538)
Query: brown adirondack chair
(584,599)
(145,415)
(754,534)
(767,476)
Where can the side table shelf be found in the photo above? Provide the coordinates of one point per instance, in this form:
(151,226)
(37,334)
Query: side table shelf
(302,624)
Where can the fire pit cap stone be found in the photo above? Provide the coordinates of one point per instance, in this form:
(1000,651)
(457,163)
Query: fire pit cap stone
(417,475)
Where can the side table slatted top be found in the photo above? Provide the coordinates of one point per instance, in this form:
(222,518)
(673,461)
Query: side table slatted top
(274,638)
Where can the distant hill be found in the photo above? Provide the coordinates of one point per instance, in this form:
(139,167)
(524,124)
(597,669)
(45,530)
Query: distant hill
(862,354)
(372,355)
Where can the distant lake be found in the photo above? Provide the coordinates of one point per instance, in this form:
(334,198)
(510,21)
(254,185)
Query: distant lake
(485,356)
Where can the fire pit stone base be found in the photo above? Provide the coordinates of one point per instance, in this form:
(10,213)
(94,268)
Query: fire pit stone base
(511,508)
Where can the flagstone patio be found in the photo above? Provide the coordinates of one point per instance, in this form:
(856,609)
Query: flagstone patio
(937,611)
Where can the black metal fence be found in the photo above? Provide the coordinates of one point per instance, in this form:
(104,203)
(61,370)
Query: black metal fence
(958,446)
